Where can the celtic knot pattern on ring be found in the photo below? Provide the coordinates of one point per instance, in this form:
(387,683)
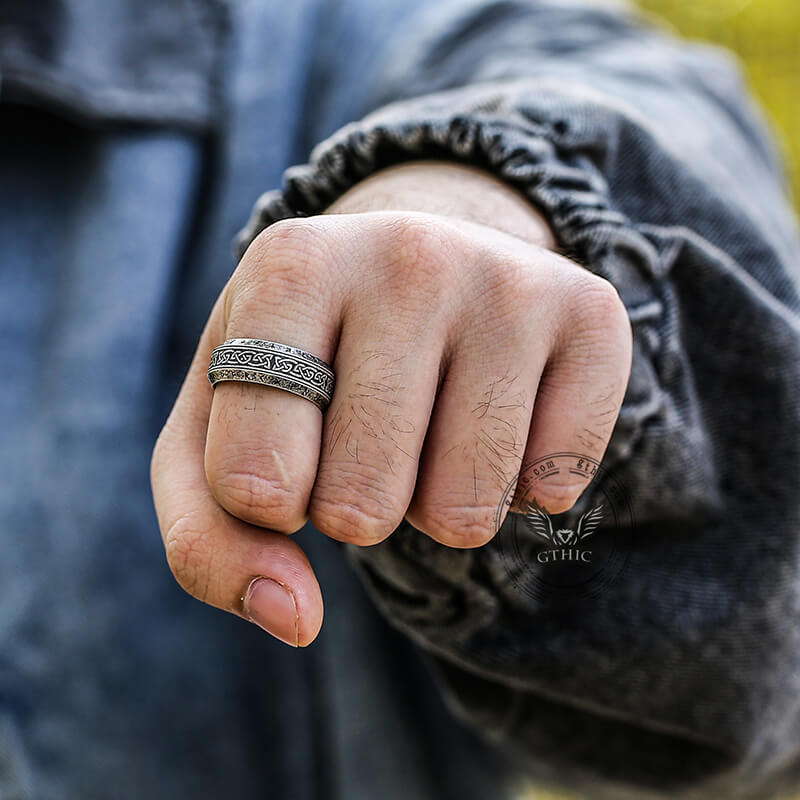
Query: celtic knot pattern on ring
(273,364)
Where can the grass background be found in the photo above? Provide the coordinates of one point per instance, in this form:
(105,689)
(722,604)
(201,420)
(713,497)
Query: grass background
(765,34)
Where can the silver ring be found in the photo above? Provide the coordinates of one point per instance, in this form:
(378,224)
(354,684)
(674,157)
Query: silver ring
(273,364)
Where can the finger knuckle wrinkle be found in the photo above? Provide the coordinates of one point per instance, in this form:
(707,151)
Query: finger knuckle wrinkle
(253,496)
(289,234)
(189,555)
(508,282)
(599,301)
(557,497)
(359,519)
(420,246)
(461,525)
(289,253)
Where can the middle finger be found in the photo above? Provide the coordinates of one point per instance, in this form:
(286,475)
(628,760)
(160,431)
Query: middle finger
(386,386)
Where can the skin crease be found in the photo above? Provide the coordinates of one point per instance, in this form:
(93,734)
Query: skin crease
(463,345)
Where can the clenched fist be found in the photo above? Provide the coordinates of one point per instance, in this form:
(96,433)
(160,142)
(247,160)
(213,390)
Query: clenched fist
(463,347)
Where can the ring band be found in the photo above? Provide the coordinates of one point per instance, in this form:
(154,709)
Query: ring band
(273,364)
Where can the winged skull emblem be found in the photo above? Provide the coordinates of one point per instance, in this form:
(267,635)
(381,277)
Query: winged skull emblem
(542,525)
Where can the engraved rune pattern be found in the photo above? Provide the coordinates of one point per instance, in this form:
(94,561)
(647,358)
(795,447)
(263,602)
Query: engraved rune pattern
(273,364)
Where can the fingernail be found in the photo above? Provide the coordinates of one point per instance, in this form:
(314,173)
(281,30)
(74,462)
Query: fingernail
(271,606)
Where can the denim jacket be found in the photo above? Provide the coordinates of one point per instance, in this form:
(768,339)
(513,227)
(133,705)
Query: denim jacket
(136,137)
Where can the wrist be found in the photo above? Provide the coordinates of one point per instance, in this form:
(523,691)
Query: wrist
(449,189)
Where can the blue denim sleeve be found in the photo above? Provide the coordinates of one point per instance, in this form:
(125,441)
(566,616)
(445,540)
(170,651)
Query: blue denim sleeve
(655,171)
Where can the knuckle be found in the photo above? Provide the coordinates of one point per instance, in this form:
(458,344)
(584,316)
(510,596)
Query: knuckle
(418,235)
(512,286)
(291,237)
(597,302)
(509,296)
(417,275)
(595,324)
(464,526)
(260,499)
(558,496)
(351,522)
(293,256)
(361,517)
(418,256)
(189,555)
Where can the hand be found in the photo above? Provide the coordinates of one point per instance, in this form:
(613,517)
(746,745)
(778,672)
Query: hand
(461,352)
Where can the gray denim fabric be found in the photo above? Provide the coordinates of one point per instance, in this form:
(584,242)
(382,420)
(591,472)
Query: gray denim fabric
(125,61)
(680,679)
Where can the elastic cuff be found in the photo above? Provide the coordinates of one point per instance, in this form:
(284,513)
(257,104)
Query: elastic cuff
(544,146)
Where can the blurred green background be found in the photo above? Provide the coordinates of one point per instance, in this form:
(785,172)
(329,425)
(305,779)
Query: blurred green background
(765,34)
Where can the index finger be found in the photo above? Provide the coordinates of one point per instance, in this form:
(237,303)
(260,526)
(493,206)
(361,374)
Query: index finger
(260,575)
